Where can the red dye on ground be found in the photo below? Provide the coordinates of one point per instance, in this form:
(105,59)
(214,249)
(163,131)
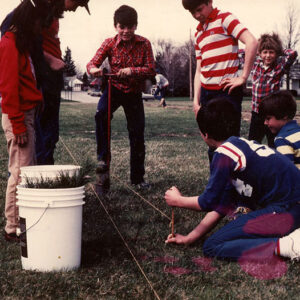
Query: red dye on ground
(166,259)
(274,268)
(144,257)
(204,264)
(177,271)
(261,262)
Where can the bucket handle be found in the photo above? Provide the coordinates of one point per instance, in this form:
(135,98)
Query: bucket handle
(19,233)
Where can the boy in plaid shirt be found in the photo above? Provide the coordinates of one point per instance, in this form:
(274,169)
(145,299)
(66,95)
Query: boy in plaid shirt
(267,72)
(131,60)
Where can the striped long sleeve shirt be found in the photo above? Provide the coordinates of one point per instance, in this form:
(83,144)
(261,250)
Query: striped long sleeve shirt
(216,45)
(287,142)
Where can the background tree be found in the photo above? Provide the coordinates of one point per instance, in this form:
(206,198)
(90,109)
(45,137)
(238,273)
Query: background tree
(174,63)
(85,79)
(70,69)
(291,33)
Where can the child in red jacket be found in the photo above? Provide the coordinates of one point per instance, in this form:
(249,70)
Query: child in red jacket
(20,97)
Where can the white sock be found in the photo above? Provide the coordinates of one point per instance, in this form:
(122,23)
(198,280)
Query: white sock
(284,246)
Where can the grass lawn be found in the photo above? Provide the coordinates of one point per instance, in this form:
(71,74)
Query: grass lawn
(175,155)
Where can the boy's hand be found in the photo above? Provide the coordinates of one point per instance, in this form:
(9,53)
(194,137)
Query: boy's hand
(177,239)
(124,72)
(96,72)
(196,108)
(172,196)
(21,139)
(232,83)
(56,64)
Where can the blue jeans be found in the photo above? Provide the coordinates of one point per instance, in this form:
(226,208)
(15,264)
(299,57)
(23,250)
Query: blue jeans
(255,234)
(160,93)
(235,98)
(47,122)
(134,112)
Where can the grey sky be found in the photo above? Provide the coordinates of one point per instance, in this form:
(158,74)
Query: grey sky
(165,19)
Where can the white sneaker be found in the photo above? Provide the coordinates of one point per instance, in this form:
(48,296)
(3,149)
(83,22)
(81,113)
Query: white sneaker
(293,239)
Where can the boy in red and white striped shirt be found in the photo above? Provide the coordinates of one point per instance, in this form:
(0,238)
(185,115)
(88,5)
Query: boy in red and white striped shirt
(216,45)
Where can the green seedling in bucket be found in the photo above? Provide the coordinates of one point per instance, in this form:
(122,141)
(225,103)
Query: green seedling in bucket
(63,179)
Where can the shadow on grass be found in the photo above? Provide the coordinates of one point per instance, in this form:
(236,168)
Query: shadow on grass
(100,241)
(100,249)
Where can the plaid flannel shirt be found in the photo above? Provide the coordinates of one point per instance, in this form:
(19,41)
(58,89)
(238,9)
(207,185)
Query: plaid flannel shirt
(136,55)
(267,80)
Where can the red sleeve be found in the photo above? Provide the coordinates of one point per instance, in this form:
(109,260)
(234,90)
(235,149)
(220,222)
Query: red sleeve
(100,56)
(9,84)
(289,56)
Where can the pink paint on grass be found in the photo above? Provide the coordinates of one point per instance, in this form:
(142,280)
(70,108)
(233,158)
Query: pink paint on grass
(177,271)
(261,262)
(144,257)
(166,259)
(275,268)
(204,263)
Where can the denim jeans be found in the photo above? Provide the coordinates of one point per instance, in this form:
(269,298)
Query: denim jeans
(258,130)
(235,98)
(135,116)
(255,234)
(47,122)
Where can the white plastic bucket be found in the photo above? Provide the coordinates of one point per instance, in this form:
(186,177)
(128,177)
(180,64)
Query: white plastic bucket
(46,171)
(50,226)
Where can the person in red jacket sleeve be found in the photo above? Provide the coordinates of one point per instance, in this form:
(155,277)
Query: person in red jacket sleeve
(20,97)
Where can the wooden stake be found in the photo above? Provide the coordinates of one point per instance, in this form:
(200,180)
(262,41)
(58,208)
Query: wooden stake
(172,222)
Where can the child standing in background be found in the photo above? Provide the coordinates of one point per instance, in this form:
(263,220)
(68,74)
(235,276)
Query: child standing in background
(162,84)
(267,72)
(20,97)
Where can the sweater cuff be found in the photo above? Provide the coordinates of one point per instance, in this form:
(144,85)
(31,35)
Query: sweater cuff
(18,125)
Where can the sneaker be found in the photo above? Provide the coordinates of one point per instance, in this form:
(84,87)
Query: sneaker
(11,237)
(293,240)
(101,166)
(142,185)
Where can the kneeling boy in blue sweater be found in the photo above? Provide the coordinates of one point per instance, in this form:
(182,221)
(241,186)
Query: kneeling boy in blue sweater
(253,175)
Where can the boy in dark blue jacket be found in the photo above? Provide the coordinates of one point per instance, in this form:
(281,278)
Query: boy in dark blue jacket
(250,174)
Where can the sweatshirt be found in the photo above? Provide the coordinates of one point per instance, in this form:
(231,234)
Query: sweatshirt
(17,83)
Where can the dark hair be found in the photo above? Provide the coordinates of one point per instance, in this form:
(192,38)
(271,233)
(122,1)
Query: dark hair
(192,4)
(126,16)
(82,2)
(219,119)
(279,104)
(270,42)
(57,8)
(24,22)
